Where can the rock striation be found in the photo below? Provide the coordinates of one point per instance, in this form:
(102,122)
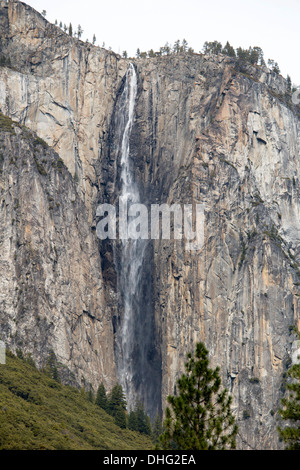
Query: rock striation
(207,130)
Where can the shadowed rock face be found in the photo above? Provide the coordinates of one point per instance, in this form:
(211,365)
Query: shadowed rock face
(205,130)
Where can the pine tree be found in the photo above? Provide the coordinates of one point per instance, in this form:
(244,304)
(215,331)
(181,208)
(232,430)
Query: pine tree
(101,398)
(258,55)
(94,39)
(90,395)
(143,420)
(120,418)
(214,47)
(132,421)
(51,366)
(228,50)
(176,47)
(273,66)
(290,412)
(116,400)
(289,84)
(70,29)
(157,428)
(243,54)
(276,68)
(200,417)
(79,31)
(184,45)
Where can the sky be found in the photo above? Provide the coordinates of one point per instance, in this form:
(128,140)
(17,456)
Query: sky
(127,25)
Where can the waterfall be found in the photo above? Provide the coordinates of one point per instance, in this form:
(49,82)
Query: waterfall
(137,357)
(131,251)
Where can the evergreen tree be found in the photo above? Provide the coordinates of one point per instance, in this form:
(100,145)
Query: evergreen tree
(290,412)
(120,418)
(138,52)
(116,400)
(176,47)
(276,68)
(44,13)
(125,54)
(184,45)
(51,366)
(243,54)
(70,29)
(257,56)
(60,24)
(167,49)
(138,420)
(214,47)
(101,397)
(94,39)
(273,66)
(79,31)
(228,50)
(90,395)
(289,83)
(142,419)
(132,421)
(200,417)
(157,428)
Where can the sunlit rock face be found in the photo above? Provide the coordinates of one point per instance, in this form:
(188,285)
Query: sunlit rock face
(206,130)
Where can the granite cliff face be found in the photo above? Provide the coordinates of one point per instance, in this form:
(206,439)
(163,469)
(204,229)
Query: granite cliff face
(206,130)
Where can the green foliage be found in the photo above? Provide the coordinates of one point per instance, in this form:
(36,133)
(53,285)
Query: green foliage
(58,164)
(273,66)
(132,421)
(157,428)
(51,367)
(214,47)
(120,418)
(228,50)
(138,420)
(116,400)
(290,410)
(6,124)
(38,413)
(40,168)
(5,61)
(38,141)
(200,417)
(90,396)
(101,398)
(253,55)
(79,31)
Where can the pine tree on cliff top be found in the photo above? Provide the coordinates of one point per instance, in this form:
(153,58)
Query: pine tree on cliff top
(200,417)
